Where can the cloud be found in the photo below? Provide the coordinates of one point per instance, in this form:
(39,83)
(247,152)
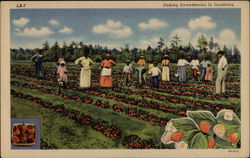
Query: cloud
(35,32)
(20,22)
(152,24)
(66,30)
(203,22)
(114,29)
(184,35)
(227,36)
(17,30)
(54,22)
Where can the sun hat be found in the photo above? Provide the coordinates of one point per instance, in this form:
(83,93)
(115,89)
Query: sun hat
(62,62)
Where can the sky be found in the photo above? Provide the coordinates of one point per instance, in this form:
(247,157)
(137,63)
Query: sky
(114,28)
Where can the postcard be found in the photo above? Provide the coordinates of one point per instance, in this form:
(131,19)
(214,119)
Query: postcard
(125,79)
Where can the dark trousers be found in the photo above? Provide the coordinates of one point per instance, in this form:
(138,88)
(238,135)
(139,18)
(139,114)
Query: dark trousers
(155,82)
(39,71)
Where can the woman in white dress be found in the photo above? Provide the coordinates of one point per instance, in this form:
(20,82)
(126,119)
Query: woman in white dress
(85,76)
(165,68)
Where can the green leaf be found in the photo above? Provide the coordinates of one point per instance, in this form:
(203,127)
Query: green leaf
(219,146)
(189,135)
(184,124)
(199,141)
(232,128)
(223,142)
(234,121)
(199,116)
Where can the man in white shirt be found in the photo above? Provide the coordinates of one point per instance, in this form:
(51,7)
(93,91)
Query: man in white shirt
(127,70)
(222,71)
(195,63)
(155,73)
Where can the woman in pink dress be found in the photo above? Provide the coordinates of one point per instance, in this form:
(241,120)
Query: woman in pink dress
(209,73)
(61,71)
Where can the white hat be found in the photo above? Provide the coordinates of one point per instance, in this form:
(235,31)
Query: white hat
(62,62)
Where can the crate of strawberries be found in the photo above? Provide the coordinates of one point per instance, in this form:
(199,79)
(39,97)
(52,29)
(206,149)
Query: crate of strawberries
(23,134)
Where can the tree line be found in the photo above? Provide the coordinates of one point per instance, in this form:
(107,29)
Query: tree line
(70,52)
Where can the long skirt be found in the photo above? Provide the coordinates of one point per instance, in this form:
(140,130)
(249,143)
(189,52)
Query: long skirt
(63,77)
(209,75)
(165,73)
(141,74)
(203,73)
(85,78)
(182,74)
(195,73)
(106,81)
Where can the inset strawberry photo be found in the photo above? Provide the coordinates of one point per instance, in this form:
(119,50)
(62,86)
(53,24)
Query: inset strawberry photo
(25,134)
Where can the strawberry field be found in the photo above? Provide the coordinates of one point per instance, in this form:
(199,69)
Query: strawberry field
(121,117)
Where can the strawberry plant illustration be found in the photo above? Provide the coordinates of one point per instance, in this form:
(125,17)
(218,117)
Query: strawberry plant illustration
(201,130)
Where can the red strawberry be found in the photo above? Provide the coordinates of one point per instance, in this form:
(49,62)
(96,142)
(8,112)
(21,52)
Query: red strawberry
(24,129)
(16,131)
(31,138)
(15,139)
(31,129)
(204,126)
(23,138)
(211,143)
(176,136)
(232,137)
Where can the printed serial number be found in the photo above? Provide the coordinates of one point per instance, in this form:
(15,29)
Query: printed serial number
(20,5)
(233,151)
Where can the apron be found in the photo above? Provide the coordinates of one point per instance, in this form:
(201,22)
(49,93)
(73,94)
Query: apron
(106,72)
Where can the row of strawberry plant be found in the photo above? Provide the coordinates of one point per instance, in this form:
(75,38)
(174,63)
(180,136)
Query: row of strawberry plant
(108,129)
(120,98)
(173,99)
(132,112)
(151,105)
(192,93)
(189,103)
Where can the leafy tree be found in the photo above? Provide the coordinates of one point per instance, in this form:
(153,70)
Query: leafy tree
(236,55)
(176,40)
(202,44)
(216,47)
(211,44)
(55,49)
(160,44)
(45,45)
